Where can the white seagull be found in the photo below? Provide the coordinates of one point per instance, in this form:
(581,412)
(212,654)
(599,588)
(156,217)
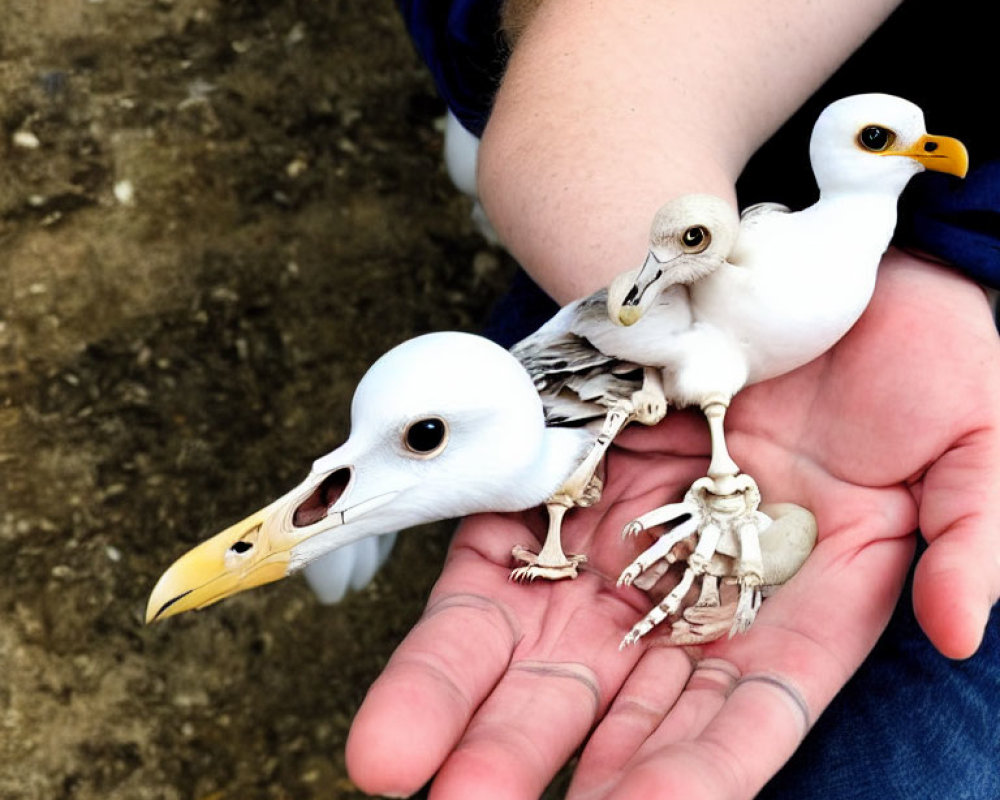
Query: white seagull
(443,425)
(792,286)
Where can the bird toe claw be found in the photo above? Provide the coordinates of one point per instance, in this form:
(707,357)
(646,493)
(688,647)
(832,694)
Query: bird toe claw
(534,568)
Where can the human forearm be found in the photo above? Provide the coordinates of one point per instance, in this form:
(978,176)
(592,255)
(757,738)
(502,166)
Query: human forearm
(611,108)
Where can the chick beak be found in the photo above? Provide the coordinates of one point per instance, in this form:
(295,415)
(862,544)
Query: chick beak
(631,307)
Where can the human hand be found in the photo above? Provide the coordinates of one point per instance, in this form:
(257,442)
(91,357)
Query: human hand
(897,426)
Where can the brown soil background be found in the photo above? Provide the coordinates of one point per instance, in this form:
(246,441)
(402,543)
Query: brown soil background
(214,215)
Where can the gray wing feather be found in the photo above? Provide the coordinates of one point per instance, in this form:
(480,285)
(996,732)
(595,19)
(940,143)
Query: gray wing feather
(576,381)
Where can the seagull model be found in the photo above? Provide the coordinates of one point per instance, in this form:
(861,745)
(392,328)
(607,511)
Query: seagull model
(443,425)
(792,286)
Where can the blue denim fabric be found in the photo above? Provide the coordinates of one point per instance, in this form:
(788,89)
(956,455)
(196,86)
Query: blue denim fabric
(461,43)
(910,725)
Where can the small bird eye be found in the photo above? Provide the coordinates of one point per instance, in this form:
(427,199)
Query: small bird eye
(425,436)
(696,238)
(876,138)
(241,547)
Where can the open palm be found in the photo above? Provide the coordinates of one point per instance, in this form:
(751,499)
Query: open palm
(897,427)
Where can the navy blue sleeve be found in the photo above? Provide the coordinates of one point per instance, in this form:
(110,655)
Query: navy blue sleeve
(957,221)
(461,43)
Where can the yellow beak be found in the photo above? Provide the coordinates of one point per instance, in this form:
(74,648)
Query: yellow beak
(250,553)
(937,153)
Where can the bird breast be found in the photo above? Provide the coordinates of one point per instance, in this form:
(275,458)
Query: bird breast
(798,283)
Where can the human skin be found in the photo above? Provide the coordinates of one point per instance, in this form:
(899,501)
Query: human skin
(609,109)
(499,683)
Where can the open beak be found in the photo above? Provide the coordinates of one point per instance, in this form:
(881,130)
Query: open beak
(937,153)
(258,549)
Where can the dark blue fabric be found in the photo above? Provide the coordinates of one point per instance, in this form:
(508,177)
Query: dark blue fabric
(522,310)
(957,221)
(910,725)
(461,42)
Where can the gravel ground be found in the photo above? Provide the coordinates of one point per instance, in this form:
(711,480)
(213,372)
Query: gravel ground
(213,217)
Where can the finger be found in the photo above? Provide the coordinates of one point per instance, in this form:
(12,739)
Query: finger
(958,578)
(703,697)
(417,710)
(525,731)
(808,639)
(564,673)
(645,699)
(730,758)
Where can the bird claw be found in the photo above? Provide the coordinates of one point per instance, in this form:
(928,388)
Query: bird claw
(746,608)
(721,536)
(639,630)
(534,568)
(630,573)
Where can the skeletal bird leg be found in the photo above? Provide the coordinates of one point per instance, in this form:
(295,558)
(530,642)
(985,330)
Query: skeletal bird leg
(659,516)
(709,596)
(551,562)
(665,608)
(736,543)
(721,469)
(582,488)
(581,479)
(749,576)
(649,404)
(707,620)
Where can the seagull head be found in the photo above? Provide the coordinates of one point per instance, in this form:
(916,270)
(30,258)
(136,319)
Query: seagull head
(443,425)
(690,237)
(874,143)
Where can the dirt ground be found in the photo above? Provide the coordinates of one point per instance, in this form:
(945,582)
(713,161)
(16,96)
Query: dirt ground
(214,215)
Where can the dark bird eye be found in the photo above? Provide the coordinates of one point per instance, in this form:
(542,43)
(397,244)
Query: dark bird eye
(241,547)
(425,435)
(876,138)
(696,238)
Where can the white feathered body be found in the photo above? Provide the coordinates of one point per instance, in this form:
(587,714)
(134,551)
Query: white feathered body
(793,286)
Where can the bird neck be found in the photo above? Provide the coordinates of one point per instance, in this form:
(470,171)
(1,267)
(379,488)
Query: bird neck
(866,219)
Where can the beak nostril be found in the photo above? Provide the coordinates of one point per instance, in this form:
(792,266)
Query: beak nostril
(930,147)
(315,507)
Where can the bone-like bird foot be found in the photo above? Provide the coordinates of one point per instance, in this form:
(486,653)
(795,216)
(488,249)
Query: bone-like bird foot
(717,537)
(535,567)
(551,562)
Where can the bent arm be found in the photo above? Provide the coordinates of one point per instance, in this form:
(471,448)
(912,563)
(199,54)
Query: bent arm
(610,108)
